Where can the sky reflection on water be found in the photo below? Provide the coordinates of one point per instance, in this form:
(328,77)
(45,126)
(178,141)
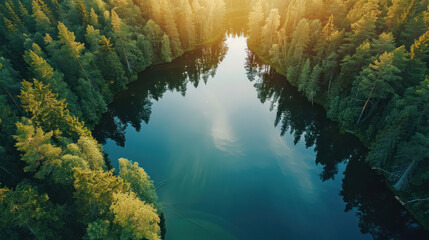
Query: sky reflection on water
(216,152)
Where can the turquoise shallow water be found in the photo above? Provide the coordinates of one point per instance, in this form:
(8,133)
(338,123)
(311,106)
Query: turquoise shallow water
(237,153)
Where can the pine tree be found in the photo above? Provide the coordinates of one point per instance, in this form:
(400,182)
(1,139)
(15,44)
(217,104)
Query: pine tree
(365,28)
(312,87)
(117,28)
(95,192)
(256,18)
(44,72)
(91,152)
(299,41)
(70,47)
(418,146)
(420,48)
(31,211)
(198,19)
(93,38)
(168,23)
(48,112)
(329,67)
(83,13)
(328,33)
(11,11)
(384,43)
(269,31)
(43,23)
(140,182)
(111,66)
(38,152)
(293,74)
(137,219)
(375,81)
(304,77)
(99,229)
(93,18)
(48,161)
(275,56)
(9,82)
(92,103)
(352,65)
(187,26)
(155,36)
(165,49)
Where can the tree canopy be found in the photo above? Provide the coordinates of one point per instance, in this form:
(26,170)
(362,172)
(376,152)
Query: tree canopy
(365,62)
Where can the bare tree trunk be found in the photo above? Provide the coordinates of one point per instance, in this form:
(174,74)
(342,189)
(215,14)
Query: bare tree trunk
(8,172)
(371,111)
(83,70)
(369,97)
(125,54)
(399,185)
(366,104)
(11,97)
(418,200)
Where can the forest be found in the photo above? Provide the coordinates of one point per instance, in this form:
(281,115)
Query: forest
(362,189)
(61,64)
(365,62)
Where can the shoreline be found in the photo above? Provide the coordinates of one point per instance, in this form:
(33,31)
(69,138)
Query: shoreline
(398,195)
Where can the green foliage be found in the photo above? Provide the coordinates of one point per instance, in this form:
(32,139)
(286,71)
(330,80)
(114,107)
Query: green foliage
(76,55)
(419,49)
(165,49)
(110,65)
(269,30)
(9,79)
(366,66)
(105,43)
(43,22)
(313,83)
(256,18)
(39,153)
(68,44)
(98,229)
(92,102)
(72,168)
(9,109)
(364,26)
(44,72)
(48,112)
(27,210)
(137,219)
(377,79)
(95,192)
(304,77)
(139,181)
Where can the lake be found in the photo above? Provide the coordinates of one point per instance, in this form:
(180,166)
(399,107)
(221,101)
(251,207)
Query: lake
(237,153)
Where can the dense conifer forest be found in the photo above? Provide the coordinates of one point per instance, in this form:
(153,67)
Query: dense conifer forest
(365,62)
(63,62)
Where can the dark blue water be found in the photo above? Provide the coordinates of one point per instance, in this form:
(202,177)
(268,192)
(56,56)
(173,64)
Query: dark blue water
(237,153)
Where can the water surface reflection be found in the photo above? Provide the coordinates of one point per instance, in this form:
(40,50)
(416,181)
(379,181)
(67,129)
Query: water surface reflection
(237,153)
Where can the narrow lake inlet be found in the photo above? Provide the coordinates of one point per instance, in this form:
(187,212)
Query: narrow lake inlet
(214,119)
(237,153)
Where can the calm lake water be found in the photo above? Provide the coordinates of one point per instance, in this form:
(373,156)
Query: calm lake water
(237,153)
